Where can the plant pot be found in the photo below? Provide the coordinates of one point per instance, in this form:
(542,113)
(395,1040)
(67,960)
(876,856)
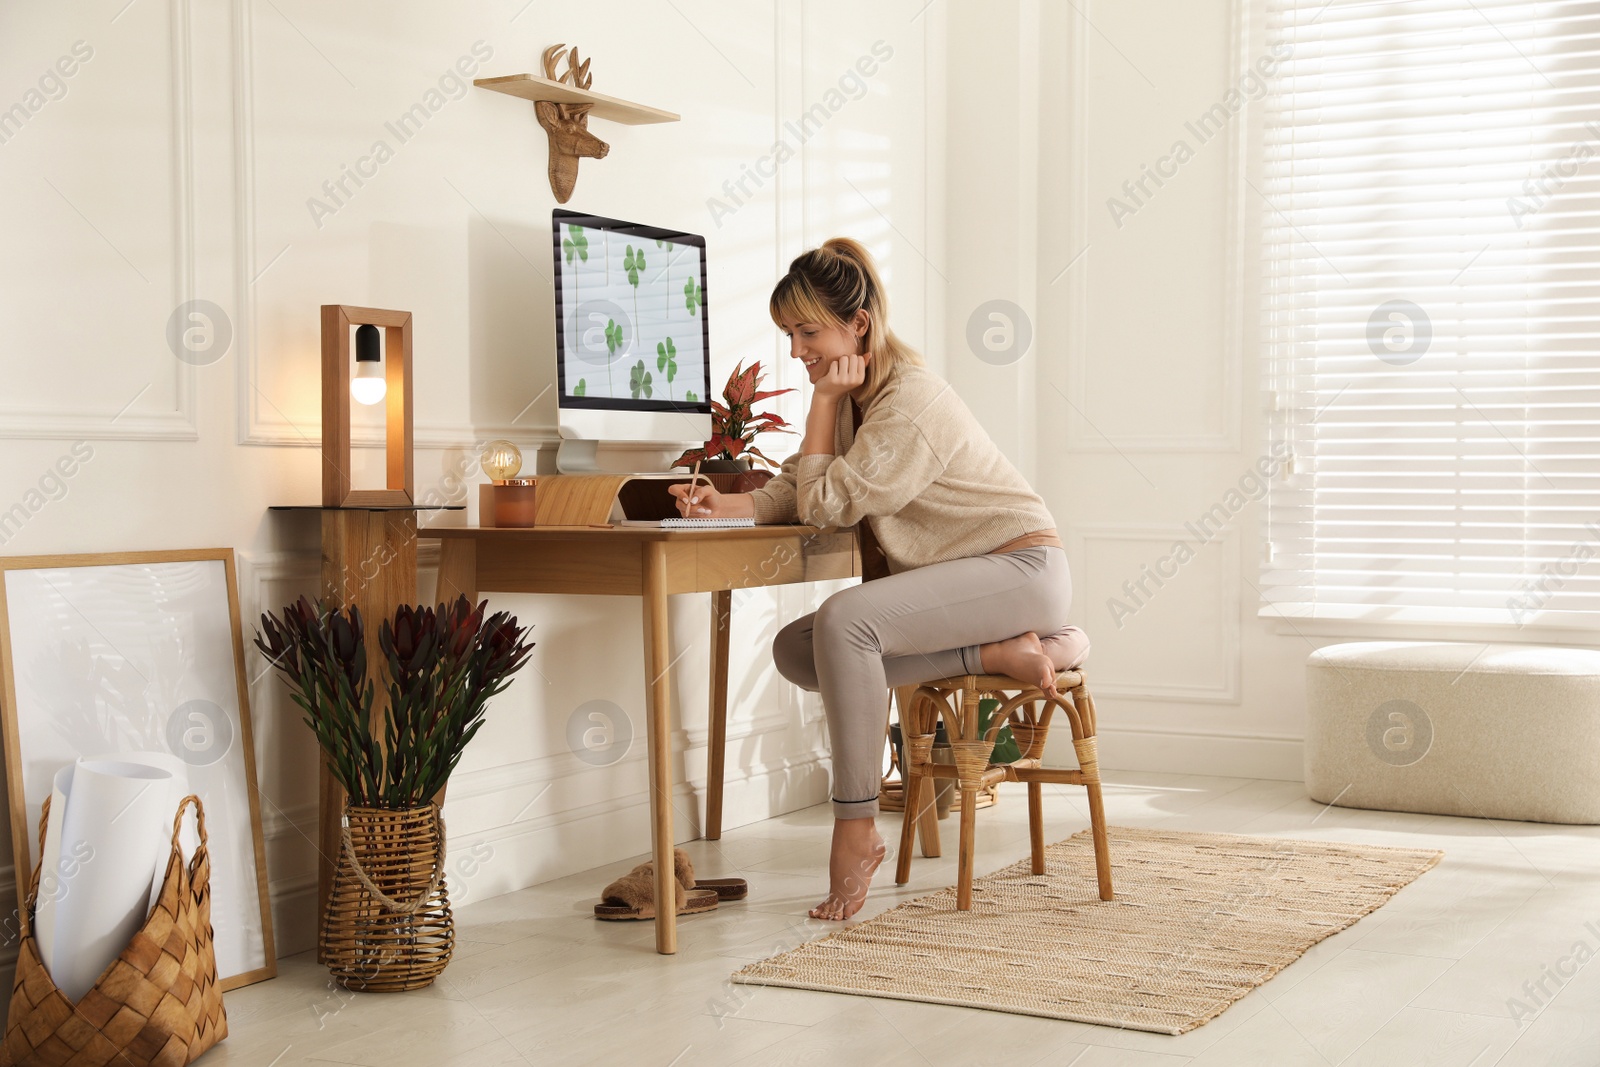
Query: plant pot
(724,466)
(388,925)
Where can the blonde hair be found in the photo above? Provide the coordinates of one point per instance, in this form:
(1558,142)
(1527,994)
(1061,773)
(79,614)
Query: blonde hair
(829,285)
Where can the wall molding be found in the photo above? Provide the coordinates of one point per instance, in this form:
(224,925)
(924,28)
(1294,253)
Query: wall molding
(563,766)
(1225,691)
(253,427)
(181,423)
(283,829)
(1279,757)
(287,823)
(583,837)
(256,569)
(1081,437)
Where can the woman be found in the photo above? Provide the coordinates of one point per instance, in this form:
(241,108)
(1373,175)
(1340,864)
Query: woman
(967,573)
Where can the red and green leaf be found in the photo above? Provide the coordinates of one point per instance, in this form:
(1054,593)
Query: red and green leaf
(733,425)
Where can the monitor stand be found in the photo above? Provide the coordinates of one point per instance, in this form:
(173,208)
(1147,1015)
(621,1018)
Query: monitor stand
(576,456)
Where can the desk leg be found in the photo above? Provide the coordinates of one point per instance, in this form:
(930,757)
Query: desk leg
(716,744)
(658,721)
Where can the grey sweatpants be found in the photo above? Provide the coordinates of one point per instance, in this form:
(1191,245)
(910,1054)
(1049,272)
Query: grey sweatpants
(911,627)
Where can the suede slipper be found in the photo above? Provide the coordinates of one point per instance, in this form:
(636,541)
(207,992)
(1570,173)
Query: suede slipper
(725,888)
(633,897)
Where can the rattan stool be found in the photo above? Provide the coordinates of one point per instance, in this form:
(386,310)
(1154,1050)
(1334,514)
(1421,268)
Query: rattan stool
(956,699)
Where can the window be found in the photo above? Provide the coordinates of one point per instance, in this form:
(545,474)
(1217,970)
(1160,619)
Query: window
(1431,310)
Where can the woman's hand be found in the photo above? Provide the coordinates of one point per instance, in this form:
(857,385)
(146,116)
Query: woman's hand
(702,501)
(844,374)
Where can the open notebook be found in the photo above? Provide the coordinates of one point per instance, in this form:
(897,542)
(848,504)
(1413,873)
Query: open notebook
(690,524)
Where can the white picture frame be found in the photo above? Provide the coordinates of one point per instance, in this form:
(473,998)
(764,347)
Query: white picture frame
(121,653)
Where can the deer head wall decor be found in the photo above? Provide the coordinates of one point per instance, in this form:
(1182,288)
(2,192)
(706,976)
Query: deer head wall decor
(567,124)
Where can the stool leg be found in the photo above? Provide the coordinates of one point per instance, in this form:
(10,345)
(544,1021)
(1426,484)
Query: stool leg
(928,816)
(972,755)
(1102,847)
(908,823)
(969,819)
(1036,824)
(919,796)
(1089,763)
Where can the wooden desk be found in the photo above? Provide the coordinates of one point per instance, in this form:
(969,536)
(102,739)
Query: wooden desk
(650,563)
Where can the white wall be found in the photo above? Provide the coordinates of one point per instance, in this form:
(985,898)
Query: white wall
(178,163)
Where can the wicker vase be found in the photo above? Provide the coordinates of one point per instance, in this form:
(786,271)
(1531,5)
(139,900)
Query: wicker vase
(388,925)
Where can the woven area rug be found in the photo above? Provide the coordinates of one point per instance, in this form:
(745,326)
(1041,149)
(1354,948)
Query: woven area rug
(1199,920)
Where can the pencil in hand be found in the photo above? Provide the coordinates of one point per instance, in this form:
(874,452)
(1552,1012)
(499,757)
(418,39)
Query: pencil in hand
(694,482)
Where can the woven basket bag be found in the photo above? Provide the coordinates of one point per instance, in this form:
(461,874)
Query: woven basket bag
(157,1005)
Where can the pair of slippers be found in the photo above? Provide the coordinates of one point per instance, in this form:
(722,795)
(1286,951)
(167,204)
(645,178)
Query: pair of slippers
(633,896)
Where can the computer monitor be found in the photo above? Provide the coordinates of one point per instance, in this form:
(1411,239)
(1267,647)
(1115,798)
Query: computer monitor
(632,338)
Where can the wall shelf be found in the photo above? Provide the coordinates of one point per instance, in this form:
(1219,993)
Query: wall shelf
(533,87)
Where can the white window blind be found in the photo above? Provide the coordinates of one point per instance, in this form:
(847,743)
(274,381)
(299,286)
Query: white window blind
(1431,242)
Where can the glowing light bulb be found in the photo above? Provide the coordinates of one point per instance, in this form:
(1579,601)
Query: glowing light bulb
(369,384)
(501,460)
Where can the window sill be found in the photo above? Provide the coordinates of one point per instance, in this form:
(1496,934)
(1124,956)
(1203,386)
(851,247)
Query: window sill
(1574,633)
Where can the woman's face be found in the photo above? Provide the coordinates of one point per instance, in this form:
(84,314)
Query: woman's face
(817,344)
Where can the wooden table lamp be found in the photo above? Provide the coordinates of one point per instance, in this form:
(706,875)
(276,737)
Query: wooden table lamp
(395,392)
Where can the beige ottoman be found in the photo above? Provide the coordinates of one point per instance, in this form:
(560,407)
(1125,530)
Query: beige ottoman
(1455,728)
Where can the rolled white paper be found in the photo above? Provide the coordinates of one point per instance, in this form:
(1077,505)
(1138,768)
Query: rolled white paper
(177,789)
(52,870)
(119,814)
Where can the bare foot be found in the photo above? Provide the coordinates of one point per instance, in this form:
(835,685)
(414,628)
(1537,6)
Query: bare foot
(858,848)
(1021,657)
(1067,647)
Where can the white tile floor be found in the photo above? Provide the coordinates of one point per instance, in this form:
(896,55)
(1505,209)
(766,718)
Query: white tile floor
(1429,979)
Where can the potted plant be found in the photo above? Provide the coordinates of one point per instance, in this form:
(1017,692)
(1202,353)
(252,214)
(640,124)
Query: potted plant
(734,427)
(388,925)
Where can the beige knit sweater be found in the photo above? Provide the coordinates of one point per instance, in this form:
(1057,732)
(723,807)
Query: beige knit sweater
(921,468)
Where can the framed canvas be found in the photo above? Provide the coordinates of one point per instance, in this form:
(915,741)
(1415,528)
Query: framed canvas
(129,653)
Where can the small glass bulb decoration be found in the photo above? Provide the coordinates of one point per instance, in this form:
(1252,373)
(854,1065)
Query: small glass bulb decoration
(369,385)
(501,460)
